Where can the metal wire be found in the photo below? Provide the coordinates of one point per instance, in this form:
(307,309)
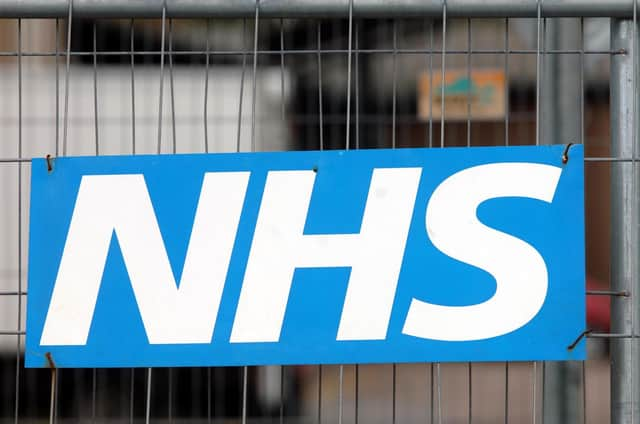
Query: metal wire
(469,365)
(324,51)
(133,93)
(209,390)
(636,204)
(95,90)
(133,151)
(245,386)
(66,80)
(539,35)
(131,394)
(319,404)
(255,71)
(432,414)
(356,395)
(283,118)
(282,90)
(320,108)
(244,68)
(148,403)
(442,83)
(430,71)
(94,375)
(206,90)
(393,393)
(170,396)
(19,342)
(173,109)
(57,107)
(439,392)
(395,85)
(161,89)
(539,46)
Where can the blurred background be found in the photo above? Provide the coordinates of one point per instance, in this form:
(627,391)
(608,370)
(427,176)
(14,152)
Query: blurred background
(293,90)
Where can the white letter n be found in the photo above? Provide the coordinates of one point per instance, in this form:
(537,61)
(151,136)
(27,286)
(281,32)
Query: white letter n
(121,204)
(279,246)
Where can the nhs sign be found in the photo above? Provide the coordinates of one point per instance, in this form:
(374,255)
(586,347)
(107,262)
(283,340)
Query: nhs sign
(473,254)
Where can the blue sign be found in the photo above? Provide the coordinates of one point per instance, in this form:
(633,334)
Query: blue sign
(376,256)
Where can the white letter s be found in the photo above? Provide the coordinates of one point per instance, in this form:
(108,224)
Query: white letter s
(519,270)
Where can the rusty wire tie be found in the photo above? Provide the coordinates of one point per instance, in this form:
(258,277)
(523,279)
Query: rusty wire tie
(565,154)
(49,163)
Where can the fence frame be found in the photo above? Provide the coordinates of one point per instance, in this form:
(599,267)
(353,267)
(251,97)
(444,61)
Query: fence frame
(625,373)
(315,8)
(625,130)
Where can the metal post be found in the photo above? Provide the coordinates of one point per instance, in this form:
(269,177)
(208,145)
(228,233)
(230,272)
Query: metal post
(561,92)
(625,371)
(561,124)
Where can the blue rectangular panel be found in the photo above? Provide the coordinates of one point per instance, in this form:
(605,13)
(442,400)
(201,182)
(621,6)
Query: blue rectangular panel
(376,256)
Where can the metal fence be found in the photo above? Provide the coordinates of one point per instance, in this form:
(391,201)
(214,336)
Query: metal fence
(87,77)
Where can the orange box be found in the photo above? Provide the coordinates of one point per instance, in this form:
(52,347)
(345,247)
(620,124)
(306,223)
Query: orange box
(484,92)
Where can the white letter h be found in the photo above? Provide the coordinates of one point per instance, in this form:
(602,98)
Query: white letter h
(279,246)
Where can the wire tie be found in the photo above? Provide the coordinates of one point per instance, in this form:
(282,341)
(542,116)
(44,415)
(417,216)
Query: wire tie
(49,163)
(565,154)
(580,337)
(50,362)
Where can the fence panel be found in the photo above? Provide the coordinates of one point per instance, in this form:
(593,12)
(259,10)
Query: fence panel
(85,77)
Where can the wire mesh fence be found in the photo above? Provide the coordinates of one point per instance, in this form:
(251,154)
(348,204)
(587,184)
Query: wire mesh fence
(141,78)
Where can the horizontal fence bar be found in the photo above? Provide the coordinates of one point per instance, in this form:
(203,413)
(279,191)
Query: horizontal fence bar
(610,159)
(12,333)
(607,293)
(588,159)
(589,293)
(313,8)
(612,336)
(128,53)
(586,334)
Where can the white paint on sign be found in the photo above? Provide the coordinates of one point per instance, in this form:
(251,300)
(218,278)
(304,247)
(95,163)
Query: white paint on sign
(186,313)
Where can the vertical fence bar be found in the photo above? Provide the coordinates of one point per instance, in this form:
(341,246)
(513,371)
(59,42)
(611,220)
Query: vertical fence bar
(57,72)
(583,365)
(133,151)
(430,71)
(242,74)
(173,123)
(19,341)
(540,31)
(319,56)
(160,100)
(624,231)
(206,93)
(95,90)
(255,71)
(283,121)
(507,106)
(133,98)
(319,411)
(66,81)
(94,372)
(394,79)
